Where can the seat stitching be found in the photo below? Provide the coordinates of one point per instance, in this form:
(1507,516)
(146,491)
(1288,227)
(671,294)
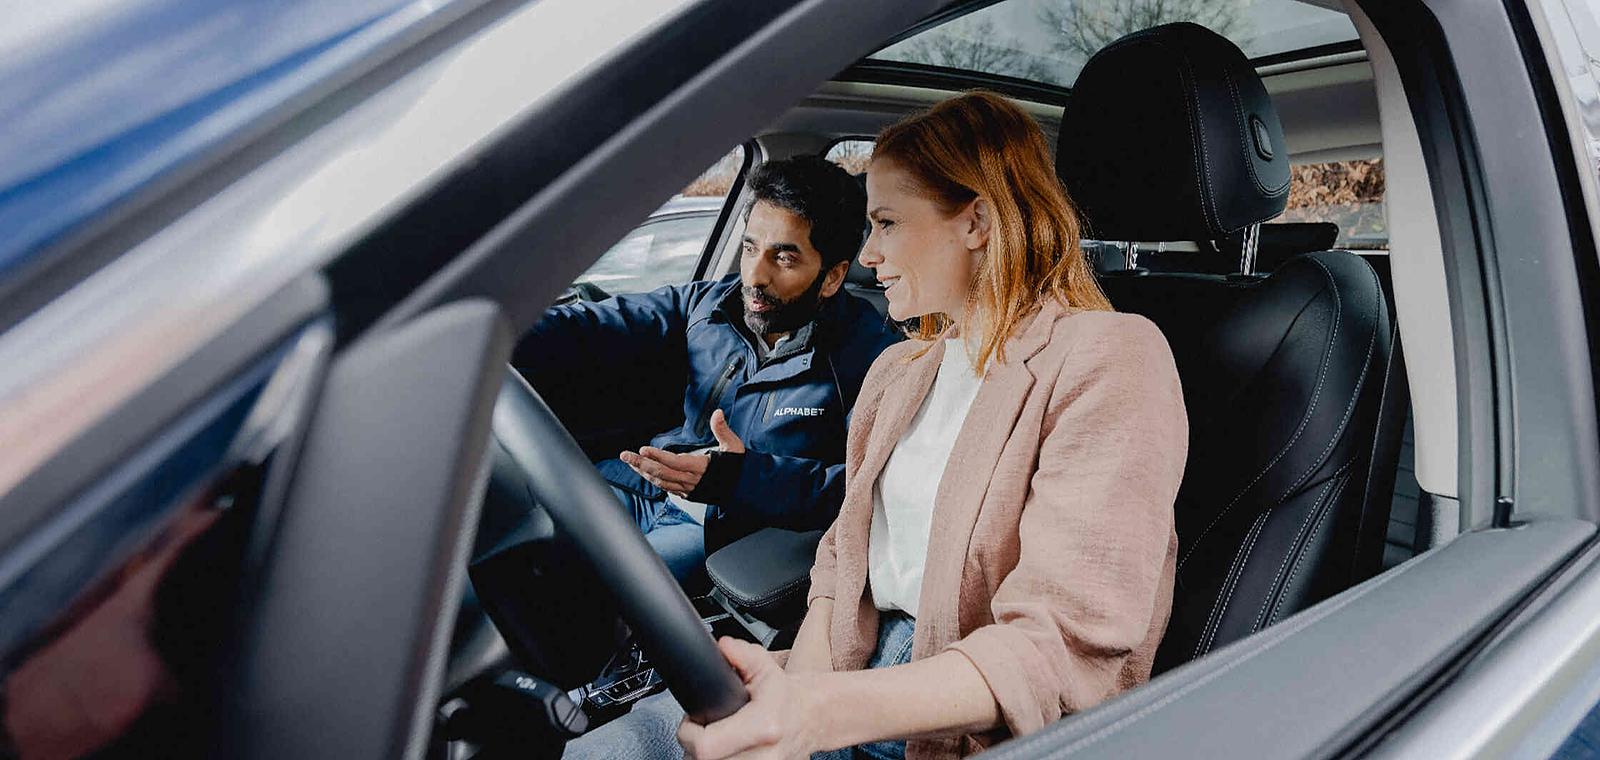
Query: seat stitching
(1244,138)
(1305,419)
(1272,590)
(757,601)
(1231,583)
(1203,179)
(1355,394)
(1270,640)
(1377,428)
(1235,571)
(1277,609)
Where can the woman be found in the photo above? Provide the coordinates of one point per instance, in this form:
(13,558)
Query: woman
(1005,551)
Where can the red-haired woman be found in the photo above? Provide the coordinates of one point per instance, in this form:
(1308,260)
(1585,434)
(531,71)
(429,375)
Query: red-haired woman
(1005,551)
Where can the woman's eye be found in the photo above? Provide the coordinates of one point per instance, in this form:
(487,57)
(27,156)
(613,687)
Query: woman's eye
(884,224)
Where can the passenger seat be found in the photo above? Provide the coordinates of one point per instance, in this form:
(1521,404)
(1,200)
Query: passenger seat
(1294,390)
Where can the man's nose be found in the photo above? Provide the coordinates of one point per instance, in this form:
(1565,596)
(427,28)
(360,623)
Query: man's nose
(760,273)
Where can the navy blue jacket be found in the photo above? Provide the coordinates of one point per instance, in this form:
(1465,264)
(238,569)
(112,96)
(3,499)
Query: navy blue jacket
(651,368)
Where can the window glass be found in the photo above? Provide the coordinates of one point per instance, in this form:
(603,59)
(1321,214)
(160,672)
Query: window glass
(851,154)
(1347,193)
(660,252)
(665,248)
(1049,40)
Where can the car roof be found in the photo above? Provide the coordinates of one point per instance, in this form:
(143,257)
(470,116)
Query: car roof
(104,98)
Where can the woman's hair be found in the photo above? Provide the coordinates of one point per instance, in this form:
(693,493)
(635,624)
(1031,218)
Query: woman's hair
(977,144)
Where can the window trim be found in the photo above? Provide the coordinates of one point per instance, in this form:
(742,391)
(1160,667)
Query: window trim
(708,252)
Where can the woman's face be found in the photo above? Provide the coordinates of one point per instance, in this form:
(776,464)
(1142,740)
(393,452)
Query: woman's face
(925,259)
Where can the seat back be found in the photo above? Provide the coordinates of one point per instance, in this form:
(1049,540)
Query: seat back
(1288,378)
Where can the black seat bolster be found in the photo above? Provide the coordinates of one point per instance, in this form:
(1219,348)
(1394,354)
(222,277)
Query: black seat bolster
(767,573)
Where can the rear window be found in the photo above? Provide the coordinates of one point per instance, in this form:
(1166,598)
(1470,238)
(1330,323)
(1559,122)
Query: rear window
(1347,193)
(851,154)
(1048,41)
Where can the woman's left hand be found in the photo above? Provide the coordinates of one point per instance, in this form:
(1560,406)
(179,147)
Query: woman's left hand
(775,723)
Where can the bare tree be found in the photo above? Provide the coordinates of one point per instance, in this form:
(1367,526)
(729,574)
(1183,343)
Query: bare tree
(1085,26)
(971,43)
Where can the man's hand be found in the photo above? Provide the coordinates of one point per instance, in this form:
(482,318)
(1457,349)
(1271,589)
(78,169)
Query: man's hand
(680,473)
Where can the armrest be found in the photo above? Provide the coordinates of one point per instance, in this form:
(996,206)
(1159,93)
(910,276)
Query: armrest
(766,573)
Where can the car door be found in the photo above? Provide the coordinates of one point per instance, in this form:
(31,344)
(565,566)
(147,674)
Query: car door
(265,381)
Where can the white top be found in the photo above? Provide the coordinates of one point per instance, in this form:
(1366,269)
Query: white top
(902,499)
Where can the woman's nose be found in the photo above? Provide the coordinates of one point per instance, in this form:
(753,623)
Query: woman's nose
(869,255)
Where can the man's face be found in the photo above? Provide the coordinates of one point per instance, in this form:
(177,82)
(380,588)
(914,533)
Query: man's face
(782,273)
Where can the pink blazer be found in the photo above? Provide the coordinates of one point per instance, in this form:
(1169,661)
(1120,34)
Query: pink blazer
(1051,557)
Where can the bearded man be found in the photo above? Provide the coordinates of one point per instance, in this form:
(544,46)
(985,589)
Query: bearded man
(719,407)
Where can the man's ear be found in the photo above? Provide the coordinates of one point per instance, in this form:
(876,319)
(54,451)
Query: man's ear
(835,278)
(980,218)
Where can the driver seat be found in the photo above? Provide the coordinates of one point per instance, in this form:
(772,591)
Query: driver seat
(1291,380)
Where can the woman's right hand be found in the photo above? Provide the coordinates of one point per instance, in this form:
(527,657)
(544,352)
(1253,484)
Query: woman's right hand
(812,652)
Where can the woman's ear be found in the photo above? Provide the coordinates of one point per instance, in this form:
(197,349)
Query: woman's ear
(980,218)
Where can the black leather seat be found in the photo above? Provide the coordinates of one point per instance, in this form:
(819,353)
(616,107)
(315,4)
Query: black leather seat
(1292,381)
(863,282)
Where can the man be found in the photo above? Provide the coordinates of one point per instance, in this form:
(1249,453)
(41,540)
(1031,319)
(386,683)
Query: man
(732,396)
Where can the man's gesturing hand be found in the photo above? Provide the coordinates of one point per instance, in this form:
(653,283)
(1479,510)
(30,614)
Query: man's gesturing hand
(680,473)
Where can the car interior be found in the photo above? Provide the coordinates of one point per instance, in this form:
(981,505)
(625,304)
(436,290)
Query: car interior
(415,556)
(1318,459)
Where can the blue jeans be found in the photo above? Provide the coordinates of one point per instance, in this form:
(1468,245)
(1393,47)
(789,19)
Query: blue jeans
(650,730)
(676,537)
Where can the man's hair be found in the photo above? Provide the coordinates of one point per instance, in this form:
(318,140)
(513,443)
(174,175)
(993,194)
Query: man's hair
(820,192)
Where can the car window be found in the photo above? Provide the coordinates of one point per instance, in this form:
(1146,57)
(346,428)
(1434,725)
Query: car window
(1347,193)
(1048,41)
(852,154)
(665,248)
(658,252)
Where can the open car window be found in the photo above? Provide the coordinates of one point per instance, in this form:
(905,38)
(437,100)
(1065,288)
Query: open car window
(1048,41)
(666,247)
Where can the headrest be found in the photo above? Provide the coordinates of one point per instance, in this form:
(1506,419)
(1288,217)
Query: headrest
(1170,135)
(861,275)
(858,274)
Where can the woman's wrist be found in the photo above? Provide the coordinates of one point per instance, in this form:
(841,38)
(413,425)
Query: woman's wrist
(817,726)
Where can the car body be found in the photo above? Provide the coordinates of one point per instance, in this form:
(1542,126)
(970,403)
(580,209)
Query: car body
(252,330)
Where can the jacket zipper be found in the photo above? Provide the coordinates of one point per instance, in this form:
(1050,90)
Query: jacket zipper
(703,427)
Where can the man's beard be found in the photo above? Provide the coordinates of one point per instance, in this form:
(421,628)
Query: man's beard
(784,316)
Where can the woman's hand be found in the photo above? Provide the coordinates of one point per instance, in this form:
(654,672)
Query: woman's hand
(775,723)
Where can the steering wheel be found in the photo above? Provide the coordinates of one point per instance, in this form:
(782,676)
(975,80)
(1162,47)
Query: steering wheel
(648,598)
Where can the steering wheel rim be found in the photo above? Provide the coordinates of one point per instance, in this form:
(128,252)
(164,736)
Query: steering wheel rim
(582,505)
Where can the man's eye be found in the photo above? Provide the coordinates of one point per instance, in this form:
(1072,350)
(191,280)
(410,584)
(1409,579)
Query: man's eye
(786,260)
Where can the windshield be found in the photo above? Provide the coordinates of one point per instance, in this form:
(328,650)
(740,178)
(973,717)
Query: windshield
(1048,41)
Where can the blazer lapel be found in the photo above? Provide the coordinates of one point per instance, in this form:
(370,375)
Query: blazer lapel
(855,622)
(900,404)
(982,439)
